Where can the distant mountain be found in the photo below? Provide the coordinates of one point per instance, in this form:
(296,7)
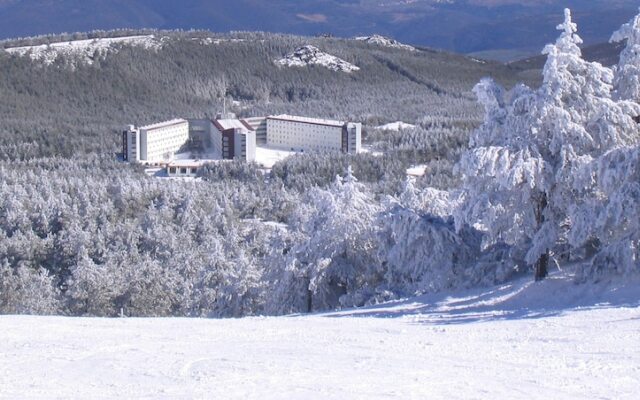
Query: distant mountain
(605,53)
(503,29)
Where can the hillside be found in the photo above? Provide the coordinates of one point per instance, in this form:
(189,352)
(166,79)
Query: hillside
(517,341)
(500,28)
(97,91)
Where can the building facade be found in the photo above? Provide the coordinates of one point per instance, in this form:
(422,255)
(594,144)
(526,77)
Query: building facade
(184,168)
(155,143)
(234,139)
(259,124)
(301,133)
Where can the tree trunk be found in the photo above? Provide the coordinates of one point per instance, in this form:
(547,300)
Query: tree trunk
(541,266)
(309,295)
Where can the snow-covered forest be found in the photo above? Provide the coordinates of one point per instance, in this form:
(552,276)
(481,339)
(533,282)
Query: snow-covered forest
(549,178)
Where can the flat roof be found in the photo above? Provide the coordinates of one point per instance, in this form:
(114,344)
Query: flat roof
(164,124)
(188,163)
(307,120)
(225,124)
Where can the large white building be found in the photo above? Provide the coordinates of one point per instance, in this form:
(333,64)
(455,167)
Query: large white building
(302,133)
(155,143)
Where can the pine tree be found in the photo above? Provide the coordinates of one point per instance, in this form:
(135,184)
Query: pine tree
(627,73)
(520,182)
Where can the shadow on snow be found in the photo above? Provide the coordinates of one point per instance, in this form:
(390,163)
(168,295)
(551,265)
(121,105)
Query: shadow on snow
(520,299)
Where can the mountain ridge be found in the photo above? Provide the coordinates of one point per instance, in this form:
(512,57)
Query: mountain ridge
(462,26)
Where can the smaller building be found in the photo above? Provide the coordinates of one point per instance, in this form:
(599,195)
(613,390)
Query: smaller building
(234,139)
(183,168)
(155,143)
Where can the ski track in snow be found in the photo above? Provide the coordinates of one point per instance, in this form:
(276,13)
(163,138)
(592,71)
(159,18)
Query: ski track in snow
(553,340)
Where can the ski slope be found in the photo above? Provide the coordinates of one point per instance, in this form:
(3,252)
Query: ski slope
(553,340)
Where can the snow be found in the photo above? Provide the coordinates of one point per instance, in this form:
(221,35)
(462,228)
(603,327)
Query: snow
(368,149)
(267,156)
(520,341)
(209,41)
(84,50)
(281,226)
(311,55)
(231,123)
(395,126)
(379,40)
(417,170)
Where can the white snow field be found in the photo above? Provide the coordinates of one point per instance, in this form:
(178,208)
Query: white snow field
(310,55)
(384,42)
(553,340)
(83,49)
(395,126)
(268,156)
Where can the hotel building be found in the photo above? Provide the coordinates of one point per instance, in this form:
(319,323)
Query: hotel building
(302,133)
(155,143)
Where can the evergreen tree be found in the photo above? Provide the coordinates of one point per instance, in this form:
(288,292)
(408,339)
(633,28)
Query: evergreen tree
(627,73)
(519,176)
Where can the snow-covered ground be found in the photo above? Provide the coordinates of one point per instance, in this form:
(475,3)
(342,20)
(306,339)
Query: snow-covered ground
(395,126)
(84,50)
(384,42)
(417,170)
(551,340)
(367,149)
(267,156)
(311,55)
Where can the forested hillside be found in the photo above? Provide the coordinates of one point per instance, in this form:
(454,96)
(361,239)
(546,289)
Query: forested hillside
(83,234)
(188,77)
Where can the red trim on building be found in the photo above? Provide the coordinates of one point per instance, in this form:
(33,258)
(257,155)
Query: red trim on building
(217,125)
(246,124)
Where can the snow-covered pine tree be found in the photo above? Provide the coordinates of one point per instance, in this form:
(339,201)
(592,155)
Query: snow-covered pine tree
(334,245)
(25,290)
(422,253)
(520,173)
(627,73)
(610,219)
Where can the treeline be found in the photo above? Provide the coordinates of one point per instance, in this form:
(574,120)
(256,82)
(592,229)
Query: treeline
(94,238)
